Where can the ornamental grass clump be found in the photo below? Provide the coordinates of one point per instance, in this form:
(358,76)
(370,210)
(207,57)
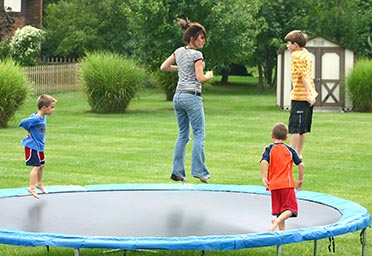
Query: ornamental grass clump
(14,89)
(110,81)
(359,83)
(167,82)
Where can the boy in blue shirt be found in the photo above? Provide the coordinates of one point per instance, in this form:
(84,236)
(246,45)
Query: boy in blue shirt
(34,143)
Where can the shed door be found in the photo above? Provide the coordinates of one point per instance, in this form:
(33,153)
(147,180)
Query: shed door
(329,63)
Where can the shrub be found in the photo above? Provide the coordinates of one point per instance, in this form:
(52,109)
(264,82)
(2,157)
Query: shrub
(167,82)
(14,89)
(5,48)
(110,81)
(25,45)
(359,83)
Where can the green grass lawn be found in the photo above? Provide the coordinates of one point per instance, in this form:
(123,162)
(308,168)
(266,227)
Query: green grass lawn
(137,147)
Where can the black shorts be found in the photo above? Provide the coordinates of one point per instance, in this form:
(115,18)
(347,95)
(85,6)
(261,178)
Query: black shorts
(300,118)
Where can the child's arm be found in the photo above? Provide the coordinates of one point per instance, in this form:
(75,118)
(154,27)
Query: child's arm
(29,122)
(309,97)
(301,170)
(265,181)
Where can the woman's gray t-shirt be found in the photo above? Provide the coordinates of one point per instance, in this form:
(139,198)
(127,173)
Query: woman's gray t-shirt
(185,59)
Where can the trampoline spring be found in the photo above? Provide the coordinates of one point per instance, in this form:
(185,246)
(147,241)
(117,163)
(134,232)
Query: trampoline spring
(331,246)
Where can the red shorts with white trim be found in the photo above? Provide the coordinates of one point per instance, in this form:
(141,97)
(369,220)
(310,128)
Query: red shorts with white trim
(34,157)
(283,200)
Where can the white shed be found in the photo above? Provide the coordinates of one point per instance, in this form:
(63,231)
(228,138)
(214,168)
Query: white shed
(331,62)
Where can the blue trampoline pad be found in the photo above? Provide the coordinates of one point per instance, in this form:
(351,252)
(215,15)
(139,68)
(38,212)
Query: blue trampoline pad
(172,217)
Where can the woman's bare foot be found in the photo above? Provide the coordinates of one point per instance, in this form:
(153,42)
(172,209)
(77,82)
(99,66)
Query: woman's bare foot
(42,188)
(33,192)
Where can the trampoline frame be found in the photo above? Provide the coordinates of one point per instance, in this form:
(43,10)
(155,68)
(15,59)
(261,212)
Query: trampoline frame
(354,218)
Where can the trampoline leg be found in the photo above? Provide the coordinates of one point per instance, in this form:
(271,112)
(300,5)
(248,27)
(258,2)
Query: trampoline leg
(76,252)
(279,250)
(363,240)
(315,247)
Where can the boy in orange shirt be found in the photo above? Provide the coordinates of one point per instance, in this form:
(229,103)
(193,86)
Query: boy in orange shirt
(277,160)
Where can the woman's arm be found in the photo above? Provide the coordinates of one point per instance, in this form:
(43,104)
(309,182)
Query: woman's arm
(168,64)
(200,76)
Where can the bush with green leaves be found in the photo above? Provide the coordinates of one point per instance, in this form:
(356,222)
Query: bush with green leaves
(359,83)
(110,81)
(167,82)
(25,45)
(5,48)
(14,89)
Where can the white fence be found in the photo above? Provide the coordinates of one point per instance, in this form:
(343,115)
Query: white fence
(53,78)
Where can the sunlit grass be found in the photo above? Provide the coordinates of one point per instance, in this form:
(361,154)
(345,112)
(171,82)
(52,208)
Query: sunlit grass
(136,147)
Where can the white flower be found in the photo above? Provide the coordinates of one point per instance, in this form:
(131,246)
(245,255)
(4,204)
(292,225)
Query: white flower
(25,44)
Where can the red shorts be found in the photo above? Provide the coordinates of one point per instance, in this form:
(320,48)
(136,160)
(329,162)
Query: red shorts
(34,157)
(283,200)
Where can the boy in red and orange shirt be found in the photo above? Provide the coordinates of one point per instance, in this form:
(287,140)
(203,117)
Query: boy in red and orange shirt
(276,172)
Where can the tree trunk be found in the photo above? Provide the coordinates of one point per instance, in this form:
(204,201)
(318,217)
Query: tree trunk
(275,77)
(260,78)
(225,76)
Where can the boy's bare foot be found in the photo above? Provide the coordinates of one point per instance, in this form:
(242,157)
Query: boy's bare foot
(33,192)
(274,225)
(42,188)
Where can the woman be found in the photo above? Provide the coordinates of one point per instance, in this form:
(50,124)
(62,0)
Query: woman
(187,101)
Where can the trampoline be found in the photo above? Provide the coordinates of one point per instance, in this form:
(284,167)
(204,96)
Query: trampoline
(168,217)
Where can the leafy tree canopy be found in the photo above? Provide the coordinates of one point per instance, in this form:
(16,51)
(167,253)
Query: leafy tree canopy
(246,32)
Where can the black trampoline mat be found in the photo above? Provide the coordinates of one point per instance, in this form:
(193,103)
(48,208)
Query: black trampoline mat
(153,213)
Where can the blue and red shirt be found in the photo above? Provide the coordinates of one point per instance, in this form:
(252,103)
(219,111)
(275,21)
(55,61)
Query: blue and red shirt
(280,157)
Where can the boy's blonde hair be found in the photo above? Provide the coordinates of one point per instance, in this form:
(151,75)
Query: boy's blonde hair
(280,131)
(44,101)
(297,36)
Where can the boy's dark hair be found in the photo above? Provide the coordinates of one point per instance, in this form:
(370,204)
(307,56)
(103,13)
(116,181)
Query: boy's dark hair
(297,36)
(280,131)
(44,100)
(193,29)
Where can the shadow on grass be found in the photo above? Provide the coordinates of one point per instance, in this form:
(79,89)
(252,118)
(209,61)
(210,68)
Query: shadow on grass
(235,88)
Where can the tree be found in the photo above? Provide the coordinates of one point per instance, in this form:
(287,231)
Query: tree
(234,26)
(6,19)
(75,27)
(70,31)
(348,23)
(231,29)
(280,18)
(242,32)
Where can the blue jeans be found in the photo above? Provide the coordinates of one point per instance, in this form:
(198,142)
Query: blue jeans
(189,110)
